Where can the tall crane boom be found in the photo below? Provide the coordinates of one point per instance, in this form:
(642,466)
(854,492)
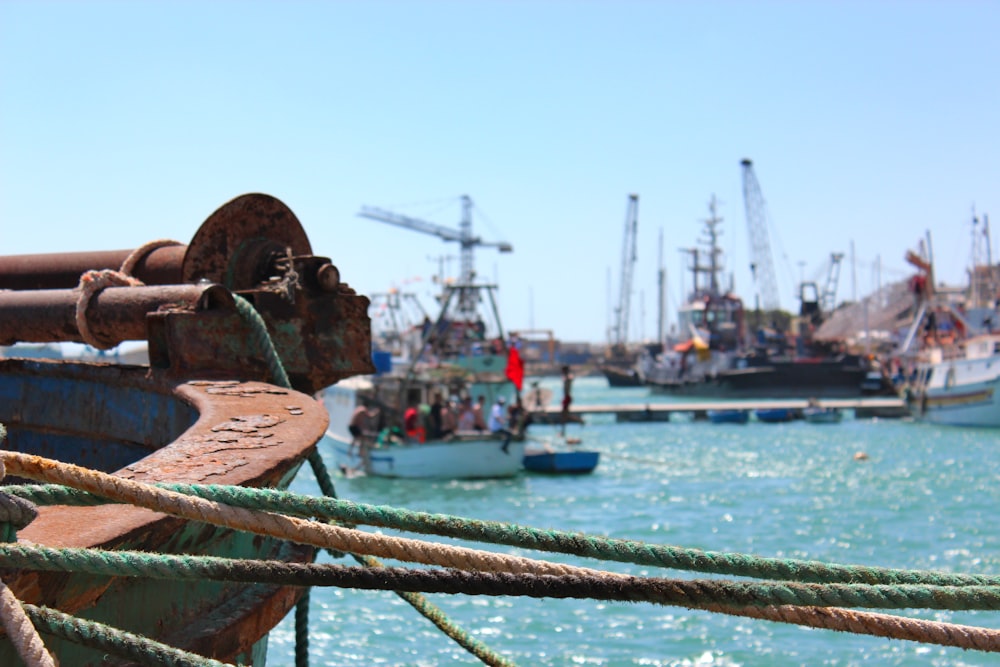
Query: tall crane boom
(760,246)
(828,300)
(463,236)
(628,267)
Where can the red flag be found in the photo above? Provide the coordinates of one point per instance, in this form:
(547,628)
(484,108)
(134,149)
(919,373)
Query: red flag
(515,368)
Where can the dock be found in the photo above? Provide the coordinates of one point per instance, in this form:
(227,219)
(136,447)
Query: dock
(884,407)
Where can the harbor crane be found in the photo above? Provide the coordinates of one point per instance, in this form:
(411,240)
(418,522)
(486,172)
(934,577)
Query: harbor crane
(762,263)
(818,305)
(620,337)
(463,236)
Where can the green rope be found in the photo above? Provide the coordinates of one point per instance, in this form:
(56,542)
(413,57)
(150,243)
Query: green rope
(679,592)
(111,640)
(494,532)
(302,631)
(261,339)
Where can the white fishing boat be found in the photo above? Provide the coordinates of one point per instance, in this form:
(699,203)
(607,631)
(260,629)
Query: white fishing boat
(459,359)
(954,352)
(960,389)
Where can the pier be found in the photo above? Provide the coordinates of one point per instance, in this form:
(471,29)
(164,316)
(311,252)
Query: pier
(885,408)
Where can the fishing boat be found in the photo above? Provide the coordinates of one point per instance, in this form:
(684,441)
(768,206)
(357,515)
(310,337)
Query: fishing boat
(463,456)
(960,390)
(207,409)
(716,357)
(952,353)
(711,324)
(463,353)
(729,416)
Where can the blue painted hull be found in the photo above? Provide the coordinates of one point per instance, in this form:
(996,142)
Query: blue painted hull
(728,416)
(776,415)
(562,462)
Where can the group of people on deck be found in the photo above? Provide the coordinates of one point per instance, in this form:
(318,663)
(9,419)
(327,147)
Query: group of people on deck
(442,419)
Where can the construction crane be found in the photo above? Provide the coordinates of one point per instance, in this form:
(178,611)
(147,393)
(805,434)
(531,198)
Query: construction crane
(620,338)
(762,264)
(463,236)
(817,305)
(828,300)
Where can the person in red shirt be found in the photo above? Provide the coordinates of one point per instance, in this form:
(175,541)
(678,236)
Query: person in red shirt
(411,421)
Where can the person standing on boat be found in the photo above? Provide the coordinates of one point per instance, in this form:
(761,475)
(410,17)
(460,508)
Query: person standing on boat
(479,414)
(360,425)
(411,423)
(498,421)
(466,415)
(567,380)
(449,418)
(437,425)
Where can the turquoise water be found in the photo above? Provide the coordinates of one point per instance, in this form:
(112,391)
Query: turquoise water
(926,498)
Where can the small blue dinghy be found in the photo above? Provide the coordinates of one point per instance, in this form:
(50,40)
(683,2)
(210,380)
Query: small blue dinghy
(776,415)
(571,463)
(728,416)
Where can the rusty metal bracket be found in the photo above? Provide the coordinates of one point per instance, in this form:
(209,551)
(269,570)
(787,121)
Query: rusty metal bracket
(253,246)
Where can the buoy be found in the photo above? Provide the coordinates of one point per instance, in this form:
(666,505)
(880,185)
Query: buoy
(860,456)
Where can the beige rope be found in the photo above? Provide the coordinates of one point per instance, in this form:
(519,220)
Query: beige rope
(869,623)
(22,633)
(276,525)
(92,282)
(343,539)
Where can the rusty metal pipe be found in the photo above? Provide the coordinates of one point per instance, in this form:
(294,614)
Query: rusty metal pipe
(114,314)
(161,266)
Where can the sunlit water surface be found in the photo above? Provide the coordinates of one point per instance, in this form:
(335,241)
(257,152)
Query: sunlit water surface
(927,497)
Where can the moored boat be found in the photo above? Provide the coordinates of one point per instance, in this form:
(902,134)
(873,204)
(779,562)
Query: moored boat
(575,462)
(463,456)
(777,415)
(729,416)
(952,354)
(460,355)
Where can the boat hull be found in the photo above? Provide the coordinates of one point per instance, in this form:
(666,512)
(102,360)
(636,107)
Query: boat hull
(570,463)
(961,393)
(622,377)
(728,416)
(458,459)
(778,380)
(139,424)
(776,415)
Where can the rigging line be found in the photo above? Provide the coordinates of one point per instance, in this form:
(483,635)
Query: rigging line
(481,214)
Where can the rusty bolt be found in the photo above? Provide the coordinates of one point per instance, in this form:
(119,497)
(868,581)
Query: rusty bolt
(328,277)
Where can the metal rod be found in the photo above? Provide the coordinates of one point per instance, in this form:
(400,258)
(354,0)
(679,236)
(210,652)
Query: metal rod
(161,266)
(114,315)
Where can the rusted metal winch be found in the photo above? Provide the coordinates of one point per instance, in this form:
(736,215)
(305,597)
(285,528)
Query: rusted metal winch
(254,247)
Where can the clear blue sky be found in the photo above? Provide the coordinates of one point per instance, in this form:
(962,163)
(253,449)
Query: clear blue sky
(870,122)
